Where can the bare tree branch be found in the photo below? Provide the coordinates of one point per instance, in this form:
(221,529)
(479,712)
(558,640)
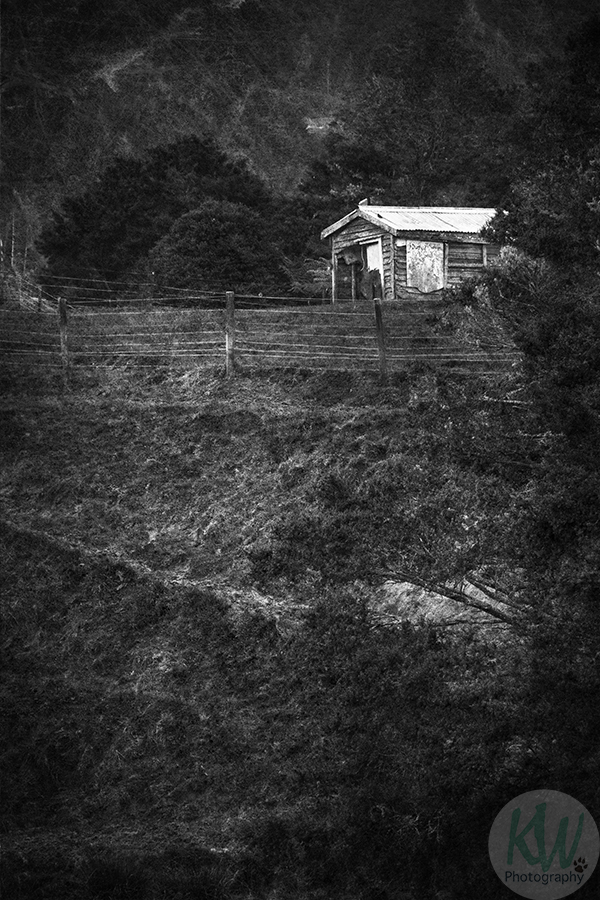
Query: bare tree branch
(459,595)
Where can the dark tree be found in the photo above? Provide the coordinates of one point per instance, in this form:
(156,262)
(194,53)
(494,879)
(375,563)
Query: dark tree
(110,229)
(555,212)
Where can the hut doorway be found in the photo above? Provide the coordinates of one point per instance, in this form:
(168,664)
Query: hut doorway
(374,258)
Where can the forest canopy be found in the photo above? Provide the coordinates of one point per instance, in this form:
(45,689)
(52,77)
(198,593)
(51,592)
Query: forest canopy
(449,103)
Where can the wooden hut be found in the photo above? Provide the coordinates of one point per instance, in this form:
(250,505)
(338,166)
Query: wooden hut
(416,250)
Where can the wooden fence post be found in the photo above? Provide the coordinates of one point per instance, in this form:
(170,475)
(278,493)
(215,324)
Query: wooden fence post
(376,289)
(229,334)
(64,344)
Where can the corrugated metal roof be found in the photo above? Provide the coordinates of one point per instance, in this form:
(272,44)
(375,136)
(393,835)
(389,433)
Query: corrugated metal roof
(459,220)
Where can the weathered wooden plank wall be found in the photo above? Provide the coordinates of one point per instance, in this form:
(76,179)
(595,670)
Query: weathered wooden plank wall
(467,259)
(399,268)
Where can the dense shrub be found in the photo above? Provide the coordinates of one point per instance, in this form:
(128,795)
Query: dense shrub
(220,245)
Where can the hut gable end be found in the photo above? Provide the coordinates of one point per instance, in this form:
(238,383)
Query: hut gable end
(357,232)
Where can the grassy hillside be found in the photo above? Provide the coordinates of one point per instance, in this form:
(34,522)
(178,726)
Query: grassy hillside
(195,477)
(199,699)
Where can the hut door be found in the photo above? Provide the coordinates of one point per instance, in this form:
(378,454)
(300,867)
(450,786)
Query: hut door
(425,265)
(372,263)
(374,258)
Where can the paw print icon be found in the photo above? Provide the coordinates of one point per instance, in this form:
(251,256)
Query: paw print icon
(580,864)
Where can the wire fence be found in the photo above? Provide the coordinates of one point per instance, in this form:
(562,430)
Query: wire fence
(93,292)
(241,332)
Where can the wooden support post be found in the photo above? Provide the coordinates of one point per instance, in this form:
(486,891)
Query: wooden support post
(334,286)
(446,248)
(353,273)
(64,343)
(229,334)
(376,289)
